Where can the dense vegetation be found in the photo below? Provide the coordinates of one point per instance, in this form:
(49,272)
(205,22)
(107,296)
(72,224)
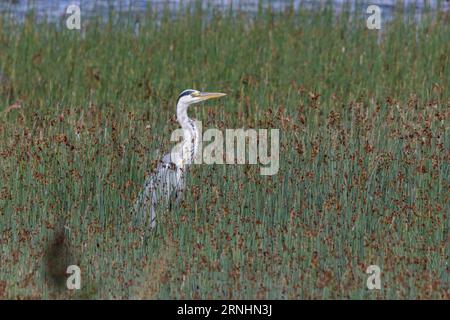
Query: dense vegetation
(364,169)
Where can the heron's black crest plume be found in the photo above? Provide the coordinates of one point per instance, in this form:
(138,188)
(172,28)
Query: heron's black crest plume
(185,93)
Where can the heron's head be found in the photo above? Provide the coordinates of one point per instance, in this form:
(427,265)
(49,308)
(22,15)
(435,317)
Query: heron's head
(189,96)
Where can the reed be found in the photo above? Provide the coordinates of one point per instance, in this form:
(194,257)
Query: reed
(364,168)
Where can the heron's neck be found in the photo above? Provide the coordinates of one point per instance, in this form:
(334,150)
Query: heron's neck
(190,134)
(182,116)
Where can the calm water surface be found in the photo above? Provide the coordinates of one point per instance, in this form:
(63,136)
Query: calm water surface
(53,10)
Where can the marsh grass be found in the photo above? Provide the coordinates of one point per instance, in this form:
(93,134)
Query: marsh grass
(364,171)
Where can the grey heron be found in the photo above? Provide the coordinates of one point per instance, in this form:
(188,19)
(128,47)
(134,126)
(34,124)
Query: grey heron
(164,187)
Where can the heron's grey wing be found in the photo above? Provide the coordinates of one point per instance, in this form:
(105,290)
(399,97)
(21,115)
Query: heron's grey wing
(175,180)
(158,192)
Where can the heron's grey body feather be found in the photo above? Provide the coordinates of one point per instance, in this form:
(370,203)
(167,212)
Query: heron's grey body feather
(160,190)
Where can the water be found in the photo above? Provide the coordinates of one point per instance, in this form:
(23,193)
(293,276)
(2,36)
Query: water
(54,10)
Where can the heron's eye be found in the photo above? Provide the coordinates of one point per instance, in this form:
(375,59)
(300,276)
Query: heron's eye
(195,94)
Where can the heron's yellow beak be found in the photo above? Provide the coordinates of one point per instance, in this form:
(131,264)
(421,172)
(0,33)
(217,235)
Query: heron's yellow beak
(210,95)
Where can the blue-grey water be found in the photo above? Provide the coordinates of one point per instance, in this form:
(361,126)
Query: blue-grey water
(53,10)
